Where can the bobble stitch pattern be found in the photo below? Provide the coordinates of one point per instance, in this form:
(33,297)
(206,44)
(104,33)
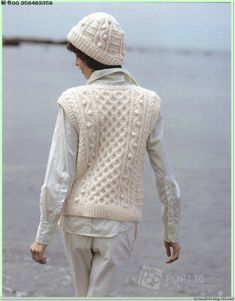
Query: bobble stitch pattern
(111,135)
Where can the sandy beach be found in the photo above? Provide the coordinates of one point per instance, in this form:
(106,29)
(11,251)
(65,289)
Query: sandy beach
(195,92)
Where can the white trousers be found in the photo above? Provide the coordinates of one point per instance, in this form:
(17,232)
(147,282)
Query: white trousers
(99,264)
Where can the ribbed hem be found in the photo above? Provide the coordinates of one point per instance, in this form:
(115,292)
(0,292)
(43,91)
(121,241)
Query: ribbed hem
(109,211)
(68,110)
(92,50)
(155,111)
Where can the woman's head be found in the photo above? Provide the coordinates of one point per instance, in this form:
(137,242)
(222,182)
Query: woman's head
(83,60)
(98,41)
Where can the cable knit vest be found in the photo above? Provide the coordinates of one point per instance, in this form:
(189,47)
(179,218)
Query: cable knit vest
(113,124)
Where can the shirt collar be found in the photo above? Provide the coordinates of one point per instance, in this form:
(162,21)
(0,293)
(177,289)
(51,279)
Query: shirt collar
(112,76)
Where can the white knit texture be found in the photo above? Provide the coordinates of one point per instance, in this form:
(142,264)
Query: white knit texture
(100,36)
(113,124)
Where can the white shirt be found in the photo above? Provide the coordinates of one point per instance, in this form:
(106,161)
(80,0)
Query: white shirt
(63,150)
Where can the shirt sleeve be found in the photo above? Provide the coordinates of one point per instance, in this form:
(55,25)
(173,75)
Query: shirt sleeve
(59,177)
(168,188)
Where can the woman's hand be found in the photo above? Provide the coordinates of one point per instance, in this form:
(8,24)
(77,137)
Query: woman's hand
(175,253)
(37,250)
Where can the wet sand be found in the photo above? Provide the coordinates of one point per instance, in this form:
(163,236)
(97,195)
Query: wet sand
(195,93)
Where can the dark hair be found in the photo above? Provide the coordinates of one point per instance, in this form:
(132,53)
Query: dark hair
(90,62)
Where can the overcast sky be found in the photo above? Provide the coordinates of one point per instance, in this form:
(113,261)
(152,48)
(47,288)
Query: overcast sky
(178,25)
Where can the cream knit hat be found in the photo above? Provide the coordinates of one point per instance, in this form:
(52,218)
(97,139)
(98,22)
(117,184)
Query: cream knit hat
(100,36)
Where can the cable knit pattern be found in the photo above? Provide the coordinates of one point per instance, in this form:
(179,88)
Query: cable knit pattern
(113,125)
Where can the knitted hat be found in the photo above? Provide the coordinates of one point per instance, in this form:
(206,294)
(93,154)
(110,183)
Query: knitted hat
(100,36)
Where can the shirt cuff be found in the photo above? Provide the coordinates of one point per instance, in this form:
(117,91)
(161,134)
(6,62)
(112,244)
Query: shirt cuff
(46,231)
(171,233)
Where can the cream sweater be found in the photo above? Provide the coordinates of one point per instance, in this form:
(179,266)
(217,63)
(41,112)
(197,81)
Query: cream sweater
(113,124)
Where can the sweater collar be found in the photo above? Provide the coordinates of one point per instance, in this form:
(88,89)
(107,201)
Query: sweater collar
(112,76)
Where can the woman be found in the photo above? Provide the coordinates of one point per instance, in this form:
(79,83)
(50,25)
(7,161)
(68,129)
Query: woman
(93,186)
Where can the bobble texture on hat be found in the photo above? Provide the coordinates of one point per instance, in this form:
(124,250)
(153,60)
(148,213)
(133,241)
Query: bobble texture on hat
(100,36)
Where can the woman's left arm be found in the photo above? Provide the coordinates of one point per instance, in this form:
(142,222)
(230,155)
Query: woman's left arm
(60,175)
